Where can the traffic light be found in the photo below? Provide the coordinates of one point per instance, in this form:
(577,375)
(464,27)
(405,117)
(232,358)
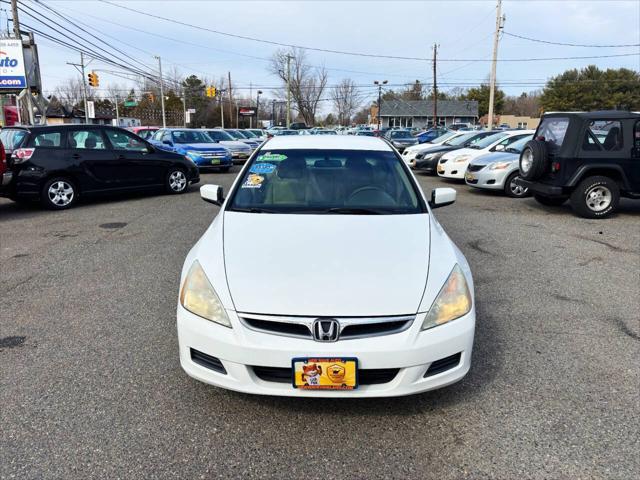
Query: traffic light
(94,80)
(211,92)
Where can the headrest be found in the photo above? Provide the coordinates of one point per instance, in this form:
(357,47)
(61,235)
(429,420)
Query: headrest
(292,168)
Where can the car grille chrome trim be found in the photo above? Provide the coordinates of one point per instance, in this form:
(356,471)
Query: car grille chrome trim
(350,327)
(475,168)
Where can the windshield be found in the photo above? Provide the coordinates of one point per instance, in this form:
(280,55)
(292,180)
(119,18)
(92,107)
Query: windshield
(487,141)
(401,134)
(460,139)
(257,133)
(235,134)
(190,136)
(518,145)
(248,134)
(219,135)
(443,137)
(326,181)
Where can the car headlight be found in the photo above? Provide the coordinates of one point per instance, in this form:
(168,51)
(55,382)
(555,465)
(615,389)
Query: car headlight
(453,301)
(197,296)
(192,154)
(461,158)
(499,165)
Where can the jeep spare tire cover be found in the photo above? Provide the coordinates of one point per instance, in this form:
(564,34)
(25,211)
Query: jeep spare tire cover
(533,159)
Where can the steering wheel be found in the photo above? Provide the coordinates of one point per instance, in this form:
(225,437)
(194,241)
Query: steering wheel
(366,188)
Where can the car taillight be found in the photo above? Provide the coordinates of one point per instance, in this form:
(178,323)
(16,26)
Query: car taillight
(22,154)
(555,167)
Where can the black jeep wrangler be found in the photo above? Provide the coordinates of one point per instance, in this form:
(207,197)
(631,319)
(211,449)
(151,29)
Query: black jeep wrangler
(590,158)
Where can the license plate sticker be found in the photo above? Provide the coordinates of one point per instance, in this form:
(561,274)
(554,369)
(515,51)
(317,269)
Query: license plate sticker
(313,373)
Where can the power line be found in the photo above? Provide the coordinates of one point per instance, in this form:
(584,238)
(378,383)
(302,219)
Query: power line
(570,44)
(343,52)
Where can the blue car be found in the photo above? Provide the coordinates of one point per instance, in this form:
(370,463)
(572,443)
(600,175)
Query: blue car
(431,134)
(196,145)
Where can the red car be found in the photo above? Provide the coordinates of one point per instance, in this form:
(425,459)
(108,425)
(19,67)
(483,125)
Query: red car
(144,132)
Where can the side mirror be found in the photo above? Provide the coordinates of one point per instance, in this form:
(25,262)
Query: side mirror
(441,197)
(499,148)
(212,194)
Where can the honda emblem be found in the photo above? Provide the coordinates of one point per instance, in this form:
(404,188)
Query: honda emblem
(326,330)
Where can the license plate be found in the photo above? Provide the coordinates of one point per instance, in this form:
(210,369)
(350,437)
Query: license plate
(215,161)
(312,373)
(469,177)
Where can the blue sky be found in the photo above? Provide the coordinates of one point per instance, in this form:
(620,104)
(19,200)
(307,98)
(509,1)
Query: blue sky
(463,29)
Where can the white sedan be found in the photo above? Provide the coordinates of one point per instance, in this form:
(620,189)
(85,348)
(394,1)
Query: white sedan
(325,273)
(454,164)
(409,153)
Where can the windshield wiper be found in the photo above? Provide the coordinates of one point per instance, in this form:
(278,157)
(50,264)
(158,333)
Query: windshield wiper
(353,211)
(251,210)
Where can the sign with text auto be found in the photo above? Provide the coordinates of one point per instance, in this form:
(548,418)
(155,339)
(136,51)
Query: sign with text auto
(12,73)
(247,112)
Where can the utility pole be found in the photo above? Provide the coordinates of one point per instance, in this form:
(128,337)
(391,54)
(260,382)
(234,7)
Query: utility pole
(492,88)
(184,107)
(258,108)
(273,113)
(117,112)
(379,84)
(16,22)
(435,86)
(289,57)
(230,103)
(164,120)
(221,108)
(84,88)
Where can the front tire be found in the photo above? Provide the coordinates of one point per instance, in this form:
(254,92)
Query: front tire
(512,189)
(596,197)
(176,182)
(59,193)
(550,201)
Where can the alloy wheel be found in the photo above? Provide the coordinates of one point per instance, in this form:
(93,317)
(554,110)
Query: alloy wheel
(516,189)
(61,193)
(598,198)
(177,181)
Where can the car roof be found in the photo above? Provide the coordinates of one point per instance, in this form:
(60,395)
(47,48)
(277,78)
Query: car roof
(616,114)
(329,142)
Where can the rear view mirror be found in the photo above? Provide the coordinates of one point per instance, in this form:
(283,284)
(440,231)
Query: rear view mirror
(212,194)
(441,197)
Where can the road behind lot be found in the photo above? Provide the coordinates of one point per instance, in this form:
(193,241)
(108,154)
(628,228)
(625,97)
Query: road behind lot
(91,386)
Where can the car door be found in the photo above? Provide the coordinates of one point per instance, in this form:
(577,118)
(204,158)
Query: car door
(141,166)
(88,150)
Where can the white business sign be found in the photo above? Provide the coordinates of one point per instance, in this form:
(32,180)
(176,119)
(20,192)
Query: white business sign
(91,109)
(12,73)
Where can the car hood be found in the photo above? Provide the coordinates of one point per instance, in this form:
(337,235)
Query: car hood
(326,265)
(234,145)
(495,157)
(404,140)
(436,149)
(201,147)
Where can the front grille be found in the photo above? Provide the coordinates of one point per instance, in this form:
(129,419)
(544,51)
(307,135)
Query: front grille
(207,361)
(350,327)
(367,376)
(212,154)
(475,168)
(443,365)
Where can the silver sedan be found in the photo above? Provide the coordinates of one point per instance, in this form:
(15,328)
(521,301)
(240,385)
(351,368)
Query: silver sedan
(498,170)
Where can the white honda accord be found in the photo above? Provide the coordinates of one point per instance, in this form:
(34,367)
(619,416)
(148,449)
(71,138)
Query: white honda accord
(326,274)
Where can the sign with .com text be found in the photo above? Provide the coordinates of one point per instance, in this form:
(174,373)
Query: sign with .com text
(12,73)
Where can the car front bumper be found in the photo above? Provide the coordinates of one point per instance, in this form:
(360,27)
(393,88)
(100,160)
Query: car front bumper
(208,162)
(487,179)
(239,349)
(452,169)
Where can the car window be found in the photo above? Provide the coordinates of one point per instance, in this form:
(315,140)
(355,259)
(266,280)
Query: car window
(88,139)
(461,139)
(190,136)
(553,129)
(158,135)
(219,135)
(46,139)
(518,145)
(487,141)
(11,139)
(603,135)
(121,140)
(317,181)
(400,134)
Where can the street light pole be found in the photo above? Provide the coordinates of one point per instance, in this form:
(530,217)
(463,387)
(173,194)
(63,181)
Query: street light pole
(164,120)
(379,84)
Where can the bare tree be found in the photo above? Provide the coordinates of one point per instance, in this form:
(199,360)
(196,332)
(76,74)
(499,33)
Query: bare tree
(70,92)
(346,100)
(307,83)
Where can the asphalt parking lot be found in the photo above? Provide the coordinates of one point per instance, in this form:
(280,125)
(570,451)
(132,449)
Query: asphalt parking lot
(91,386)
